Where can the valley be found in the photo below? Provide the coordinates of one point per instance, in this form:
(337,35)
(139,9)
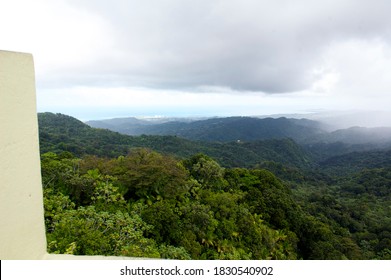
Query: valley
(325,194)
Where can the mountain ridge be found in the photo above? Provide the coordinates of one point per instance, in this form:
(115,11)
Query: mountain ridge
(221,129)
(60,132)
(230,129)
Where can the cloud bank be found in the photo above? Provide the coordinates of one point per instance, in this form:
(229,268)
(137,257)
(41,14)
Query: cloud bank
(266,46)
(335,54)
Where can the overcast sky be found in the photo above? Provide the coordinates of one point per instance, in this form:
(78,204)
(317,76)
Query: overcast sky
(100,59)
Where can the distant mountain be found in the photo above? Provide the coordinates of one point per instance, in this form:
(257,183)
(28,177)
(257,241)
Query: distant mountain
(117,122)
(220,129)
(120,124)
(329,150)
(246,129)
(60,133)
(355,135)
(135,126)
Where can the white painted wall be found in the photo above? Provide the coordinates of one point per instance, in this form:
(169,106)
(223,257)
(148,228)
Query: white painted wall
(22,229)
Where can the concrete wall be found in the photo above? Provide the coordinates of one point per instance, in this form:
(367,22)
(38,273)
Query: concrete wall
(22,230)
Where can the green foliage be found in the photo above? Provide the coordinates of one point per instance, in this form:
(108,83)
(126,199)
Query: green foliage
(172,212)
(89,232)
(171,252)
(206,171)
(144,174)
(255,200)
(375,182)
(164,217)
(350,163)
(55,203)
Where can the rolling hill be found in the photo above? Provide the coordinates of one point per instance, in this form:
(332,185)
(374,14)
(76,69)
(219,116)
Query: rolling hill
(60,133)
(218,129)
(246,129)
(333,196)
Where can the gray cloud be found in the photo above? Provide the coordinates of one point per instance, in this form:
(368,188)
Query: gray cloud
(244,45)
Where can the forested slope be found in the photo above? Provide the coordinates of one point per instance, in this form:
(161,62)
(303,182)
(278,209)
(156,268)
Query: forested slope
(59,133)
(167,197)
(219,129)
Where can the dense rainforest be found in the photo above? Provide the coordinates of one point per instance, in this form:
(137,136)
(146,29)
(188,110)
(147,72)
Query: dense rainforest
(167,197)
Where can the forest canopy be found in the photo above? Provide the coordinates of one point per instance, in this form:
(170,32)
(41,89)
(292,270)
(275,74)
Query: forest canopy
(124,199)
